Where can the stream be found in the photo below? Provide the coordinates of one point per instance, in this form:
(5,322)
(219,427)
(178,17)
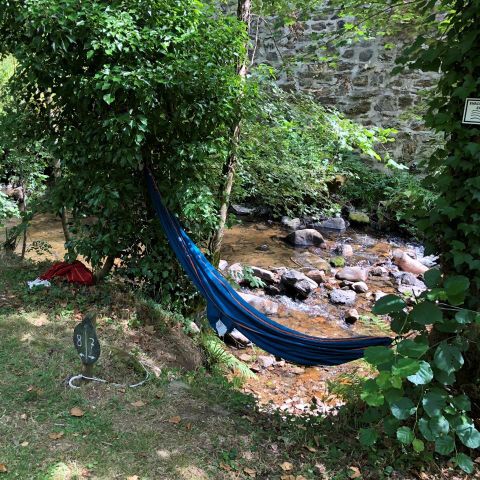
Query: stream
(278,384)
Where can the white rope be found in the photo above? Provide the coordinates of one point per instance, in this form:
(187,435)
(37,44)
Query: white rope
(101,380)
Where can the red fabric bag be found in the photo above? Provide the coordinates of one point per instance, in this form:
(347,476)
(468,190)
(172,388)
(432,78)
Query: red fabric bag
(75,272)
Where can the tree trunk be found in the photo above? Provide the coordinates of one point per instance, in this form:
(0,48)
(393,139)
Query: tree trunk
(100,275)
(63,211)
(228,171)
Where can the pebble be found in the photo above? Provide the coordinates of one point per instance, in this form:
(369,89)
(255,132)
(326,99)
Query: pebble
(360,287)
(352,316)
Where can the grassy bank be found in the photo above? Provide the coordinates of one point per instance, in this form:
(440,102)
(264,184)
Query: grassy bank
(179,425)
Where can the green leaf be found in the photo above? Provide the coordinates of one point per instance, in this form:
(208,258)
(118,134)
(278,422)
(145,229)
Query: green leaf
(423,376)
(464,462)
(109,98)
(432,278)
(424,428)
(402,408)
(388,304)
(378,355)
(368,436)
(405,435)
(433,402)
(412,348)
(418,445)
(465,317)
(405,367)
(390,426)
(443,377)
(467,433)
(444,445)
(426,313)
(439,425)
(448,357)
(461,402)
(456,288)
(371,394)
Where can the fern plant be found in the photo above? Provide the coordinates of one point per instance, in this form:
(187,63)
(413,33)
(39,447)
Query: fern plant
(218,356)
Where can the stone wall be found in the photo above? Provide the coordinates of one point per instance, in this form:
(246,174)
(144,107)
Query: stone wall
(361,85)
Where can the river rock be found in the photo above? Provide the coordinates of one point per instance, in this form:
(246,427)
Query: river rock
(265,275)
(238,338)
(291,223)
(360,287)
(352,316)
(336,223)
(407,263)
(429,261)
(316,275)
(311,260)
(353,274)
(298,283)
(235,272)
(242,210)
(222,265)
(337,262)
(378,271)
(344,297)
(359,217)
(266,361)
(263,248)
(263,304)
(305,238)
(379,295)
(407,278)
(344,250)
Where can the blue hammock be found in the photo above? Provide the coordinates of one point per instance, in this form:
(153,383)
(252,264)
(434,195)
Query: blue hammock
(226,310)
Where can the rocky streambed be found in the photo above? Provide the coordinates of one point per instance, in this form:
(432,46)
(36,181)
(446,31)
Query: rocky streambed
(321,281)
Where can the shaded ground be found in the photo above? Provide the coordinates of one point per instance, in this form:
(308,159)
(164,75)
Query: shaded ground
(180,425)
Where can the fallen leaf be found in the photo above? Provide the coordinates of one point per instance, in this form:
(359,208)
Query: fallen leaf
(55,435)
(287,477)
(150,329)
(133,477)
(176,419)
(225,467)
(24,444)
(286,466)
(354,472)
(159,395)
(3,468)
(138,404)
(250,472)
(300,477)
(188,426)
(77,412)
(23,416)
(310,449)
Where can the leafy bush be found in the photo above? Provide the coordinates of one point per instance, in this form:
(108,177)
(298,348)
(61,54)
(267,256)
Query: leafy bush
(288,150)
(415,393)
(394,197)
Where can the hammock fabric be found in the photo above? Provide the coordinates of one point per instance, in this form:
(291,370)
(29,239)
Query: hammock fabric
(226,310)
(75,272)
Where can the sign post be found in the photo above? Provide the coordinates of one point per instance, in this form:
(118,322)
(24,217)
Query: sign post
(86,343)
(471,112)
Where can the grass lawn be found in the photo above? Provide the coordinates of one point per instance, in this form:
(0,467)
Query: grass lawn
(179,425)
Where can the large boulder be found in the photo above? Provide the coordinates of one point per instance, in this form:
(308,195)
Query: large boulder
(353,274)
(407,263)
(305,238)
(262,304)
(343,297)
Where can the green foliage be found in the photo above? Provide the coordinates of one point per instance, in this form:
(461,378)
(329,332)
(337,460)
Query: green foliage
(117,86)
(290,144)
(414,383)
(221,358)
(393,196)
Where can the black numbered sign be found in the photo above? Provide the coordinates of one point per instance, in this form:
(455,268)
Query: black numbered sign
(86,341)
